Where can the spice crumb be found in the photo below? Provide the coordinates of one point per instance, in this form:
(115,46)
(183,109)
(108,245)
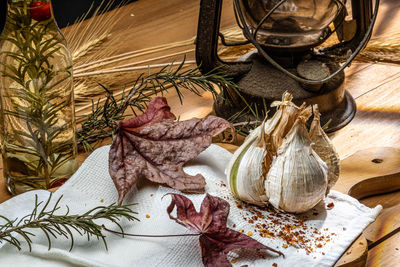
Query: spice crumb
(241,231)
(274,264)
(234,260)
(344,229)
(102,200)
(249,233)
(285,246)
(147,216)
(330,205)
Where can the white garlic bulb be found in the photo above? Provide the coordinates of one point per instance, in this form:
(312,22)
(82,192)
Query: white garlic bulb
(251,161)
(282,164)
(324,148)
(245,170)
(297,179)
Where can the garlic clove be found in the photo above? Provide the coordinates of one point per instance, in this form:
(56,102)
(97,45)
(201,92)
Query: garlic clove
(323,146)
(245,171)
(289,113)
(297,179)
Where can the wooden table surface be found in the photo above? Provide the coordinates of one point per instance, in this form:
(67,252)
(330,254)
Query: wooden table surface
(373,133)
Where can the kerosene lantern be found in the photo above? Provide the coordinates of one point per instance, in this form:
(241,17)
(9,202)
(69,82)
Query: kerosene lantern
(285,34)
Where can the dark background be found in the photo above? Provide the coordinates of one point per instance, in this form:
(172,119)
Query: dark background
(66,11)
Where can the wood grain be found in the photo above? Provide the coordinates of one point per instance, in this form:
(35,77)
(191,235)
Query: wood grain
(356,255)
(387,254)
(365,165)
(361,166)
(375,86)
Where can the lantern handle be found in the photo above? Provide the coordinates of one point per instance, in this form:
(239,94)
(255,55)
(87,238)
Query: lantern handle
(252,39)
(207,42)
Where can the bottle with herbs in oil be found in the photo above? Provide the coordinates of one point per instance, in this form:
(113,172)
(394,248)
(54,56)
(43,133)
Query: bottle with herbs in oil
(37,117)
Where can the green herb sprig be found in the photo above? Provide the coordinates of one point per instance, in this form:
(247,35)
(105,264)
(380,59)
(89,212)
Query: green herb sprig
(98,124)
(54,225)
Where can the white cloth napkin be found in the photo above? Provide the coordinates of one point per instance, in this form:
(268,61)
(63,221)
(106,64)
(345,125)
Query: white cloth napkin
(91,186)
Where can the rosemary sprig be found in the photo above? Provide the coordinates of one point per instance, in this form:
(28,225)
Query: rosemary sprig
(99,123)
(44,218)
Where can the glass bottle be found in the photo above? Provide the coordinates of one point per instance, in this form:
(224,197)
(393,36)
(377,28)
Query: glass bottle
(37,119)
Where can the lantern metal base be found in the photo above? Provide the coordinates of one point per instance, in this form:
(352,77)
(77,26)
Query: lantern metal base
(263,84)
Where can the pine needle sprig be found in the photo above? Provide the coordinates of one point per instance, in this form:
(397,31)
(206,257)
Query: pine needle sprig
(53,225)
(99,122)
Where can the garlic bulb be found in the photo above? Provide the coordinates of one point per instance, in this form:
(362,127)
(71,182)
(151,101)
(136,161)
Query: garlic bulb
(297,179)
(324,148)
(282,164)
(249,164)
(245,170)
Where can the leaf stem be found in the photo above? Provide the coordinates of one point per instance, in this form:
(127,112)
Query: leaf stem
(138,235)
(246,123)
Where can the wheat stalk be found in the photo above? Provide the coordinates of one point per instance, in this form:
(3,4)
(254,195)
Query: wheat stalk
(129,55)
(91,43)
(86,35)
(89,46)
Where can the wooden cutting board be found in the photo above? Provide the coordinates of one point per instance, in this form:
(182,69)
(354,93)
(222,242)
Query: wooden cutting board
(373,172)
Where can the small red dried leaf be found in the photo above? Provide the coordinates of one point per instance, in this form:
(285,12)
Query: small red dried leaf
(216,240)
(155,147)
(157,110)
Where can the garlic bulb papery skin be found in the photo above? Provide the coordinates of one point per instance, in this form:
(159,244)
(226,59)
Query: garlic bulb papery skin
(245,171)
(323,146)
(297,179)
(288,115)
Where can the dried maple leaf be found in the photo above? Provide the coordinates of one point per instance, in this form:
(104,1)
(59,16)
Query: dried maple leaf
(216,240)
(155,147)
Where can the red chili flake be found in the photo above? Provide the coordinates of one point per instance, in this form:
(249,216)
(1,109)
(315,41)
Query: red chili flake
(330,205)
(274,264)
